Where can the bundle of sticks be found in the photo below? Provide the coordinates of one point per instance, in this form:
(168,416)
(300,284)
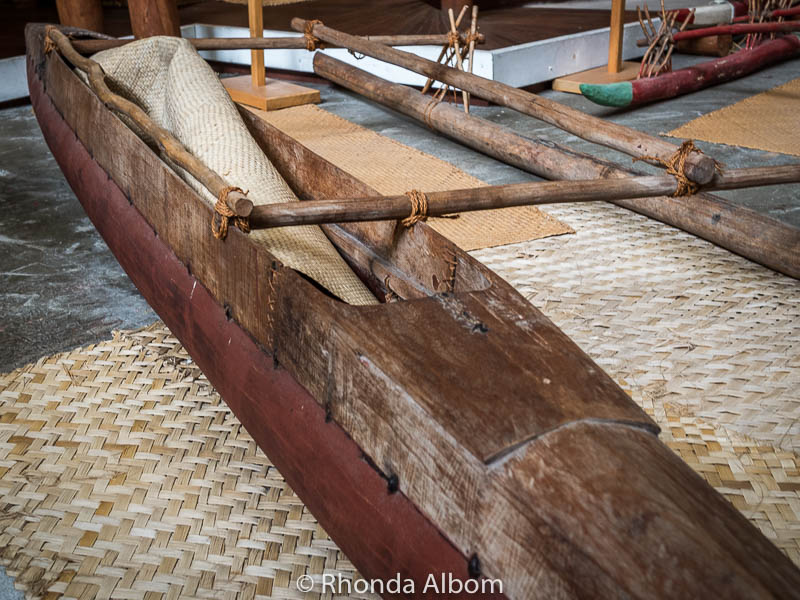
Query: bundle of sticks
(459,54)
(764,17)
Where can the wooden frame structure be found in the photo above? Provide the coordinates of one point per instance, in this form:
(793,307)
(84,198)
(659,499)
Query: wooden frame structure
(454,431)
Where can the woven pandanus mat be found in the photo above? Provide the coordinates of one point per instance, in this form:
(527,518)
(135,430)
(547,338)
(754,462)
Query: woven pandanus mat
(392,168)
(760,480)
(670,316)
(123,475)
(707,342)
(750,123)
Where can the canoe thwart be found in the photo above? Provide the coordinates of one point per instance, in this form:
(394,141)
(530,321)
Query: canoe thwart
(414,205)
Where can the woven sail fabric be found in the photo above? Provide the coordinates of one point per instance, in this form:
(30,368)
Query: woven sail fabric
(180,92)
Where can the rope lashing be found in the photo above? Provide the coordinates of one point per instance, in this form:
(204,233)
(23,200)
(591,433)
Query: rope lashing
(676,166)
(419,208)
(49,44)
(472,37)
(312,41)
(428,110)
(224,214)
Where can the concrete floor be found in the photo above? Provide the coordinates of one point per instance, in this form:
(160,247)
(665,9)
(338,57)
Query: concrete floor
(60,287)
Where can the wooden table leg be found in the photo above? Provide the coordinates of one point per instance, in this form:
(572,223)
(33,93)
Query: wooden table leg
(87,14)
(255,89)
(154,17)
(616,70)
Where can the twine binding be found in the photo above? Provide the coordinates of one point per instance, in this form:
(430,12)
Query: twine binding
(428,110)
(49,44)
(224,215)
(419,208)
(676,166)
(471,37)
(312,42)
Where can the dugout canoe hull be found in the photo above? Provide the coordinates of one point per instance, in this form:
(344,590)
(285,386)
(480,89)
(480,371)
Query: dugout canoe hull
(455,423)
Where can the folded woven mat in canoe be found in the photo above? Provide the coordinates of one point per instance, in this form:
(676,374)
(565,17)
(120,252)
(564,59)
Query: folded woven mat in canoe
(124,475)
(392,168)
(180,92)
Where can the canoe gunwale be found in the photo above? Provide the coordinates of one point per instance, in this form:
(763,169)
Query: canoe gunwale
(463,458)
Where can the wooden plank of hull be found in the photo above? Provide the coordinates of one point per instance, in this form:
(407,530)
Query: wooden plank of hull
(468,398)
(315,455)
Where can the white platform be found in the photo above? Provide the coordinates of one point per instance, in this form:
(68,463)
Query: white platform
(521,65)
(14,78)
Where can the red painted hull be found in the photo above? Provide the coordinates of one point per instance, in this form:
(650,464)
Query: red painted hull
(382,533)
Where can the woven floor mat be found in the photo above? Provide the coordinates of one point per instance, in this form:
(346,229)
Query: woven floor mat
(123,475)
(751,122)
(393,168)
(761,481)
(670,317)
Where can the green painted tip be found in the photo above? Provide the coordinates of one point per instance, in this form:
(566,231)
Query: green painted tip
(609,94)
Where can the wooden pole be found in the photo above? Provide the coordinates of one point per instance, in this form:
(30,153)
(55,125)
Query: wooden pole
(86,14)
(536,156)
(154,17)
(699,168)
(716,45)
(90,46)
(255,17)
(383,208)
(615,36)
(746,232)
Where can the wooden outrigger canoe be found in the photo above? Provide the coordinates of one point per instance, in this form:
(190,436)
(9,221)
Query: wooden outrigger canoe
(456,432)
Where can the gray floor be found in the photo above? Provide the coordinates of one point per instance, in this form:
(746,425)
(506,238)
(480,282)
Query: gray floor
(60,287)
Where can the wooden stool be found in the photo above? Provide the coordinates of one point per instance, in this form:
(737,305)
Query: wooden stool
(616,70)
(255,89)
